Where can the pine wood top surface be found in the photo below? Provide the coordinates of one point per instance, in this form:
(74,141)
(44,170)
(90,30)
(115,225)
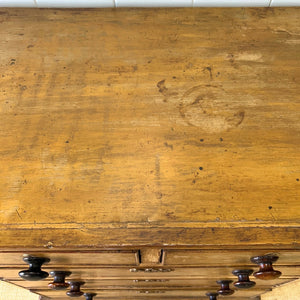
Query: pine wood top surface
(149,126)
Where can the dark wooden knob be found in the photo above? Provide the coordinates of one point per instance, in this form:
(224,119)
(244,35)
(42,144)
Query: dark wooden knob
(266,271)
(75,288)
(243,279)
(212,295)
(59,280)
(225,289)
(89,296)
(34,272)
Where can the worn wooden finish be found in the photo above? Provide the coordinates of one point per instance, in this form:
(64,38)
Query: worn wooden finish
(215,273)
(176,257)
(150,130)
(154,293)
(110,279)
(143,118)
(23,239)
(154,296)
(170,258)
(80,258)
(196,286)
(188,282)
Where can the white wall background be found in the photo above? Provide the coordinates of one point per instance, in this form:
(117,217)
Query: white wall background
(147,3)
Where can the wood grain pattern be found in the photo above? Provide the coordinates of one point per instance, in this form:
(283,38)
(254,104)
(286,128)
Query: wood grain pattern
(180,117)
(170,283)
(156,293)
(149,129)
(170,258)
(186,257)
(80,258)
(214,273)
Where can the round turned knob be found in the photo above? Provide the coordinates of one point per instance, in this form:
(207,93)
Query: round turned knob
(243,279)
(266,271)
(89,296)
(212,295)
(34,272)
(225,289)
(75,288)
(59,280)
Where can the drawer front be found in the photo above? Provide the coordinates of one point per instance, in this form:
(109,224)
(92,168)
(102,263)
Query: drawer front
(148,283)
(151,293)
(171,257)
(225,257)
(288,272)
(153,296)
(84,258)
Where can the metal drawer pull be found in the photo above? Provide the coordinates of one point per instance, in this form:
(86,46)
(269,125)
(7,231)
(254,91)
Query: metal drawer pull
(151,292)
(150,280)
(150,270)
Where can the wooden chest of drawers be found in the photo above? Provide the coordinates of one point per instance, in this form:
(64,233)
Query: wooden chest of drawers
(177,274)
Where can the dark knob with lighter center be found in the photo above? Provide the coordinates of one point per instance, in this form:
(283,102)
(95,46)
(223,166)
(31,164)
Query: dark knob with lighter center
(75,288)
(59,280)
(266,271)
(243,279)
(225,289)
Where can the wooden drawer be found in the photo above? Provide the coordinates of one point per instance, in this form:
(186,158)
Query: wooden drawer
(225,257)
(78,258)
(146,283)
(152,293)
(153,296)
(288,272)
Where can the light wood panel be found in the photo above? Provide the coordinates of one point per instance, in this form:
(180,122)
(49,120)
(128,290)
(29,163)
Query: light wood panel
(115,122)
(10,291)
(289,291)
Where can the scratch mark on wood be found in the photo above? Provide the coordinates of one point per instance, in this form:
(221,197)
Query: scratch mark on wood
(18,214)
